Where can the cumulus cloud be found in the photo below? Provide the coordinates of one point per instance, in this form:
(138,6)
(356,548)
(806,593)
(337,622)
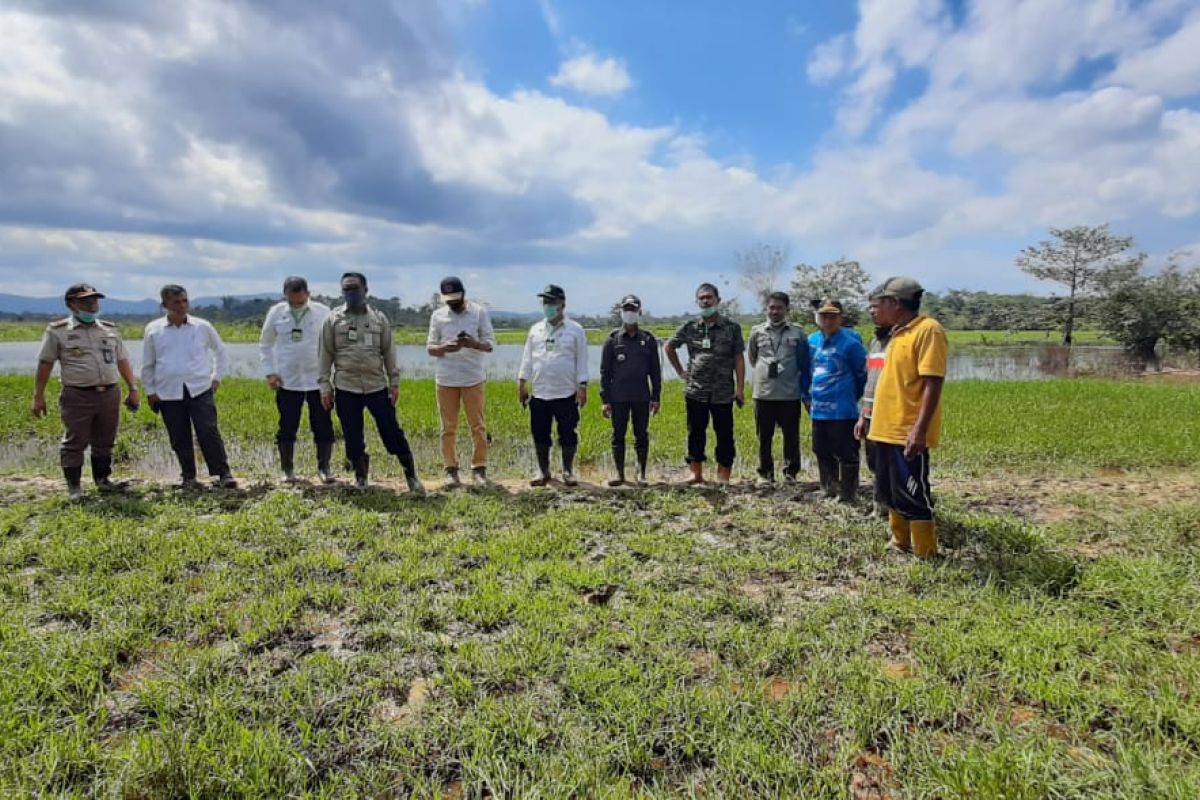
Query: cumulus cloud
(238,143)
(590,74)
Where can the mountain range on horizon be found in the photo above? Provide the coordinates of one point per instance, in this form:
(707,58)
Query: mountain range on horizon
(14,304)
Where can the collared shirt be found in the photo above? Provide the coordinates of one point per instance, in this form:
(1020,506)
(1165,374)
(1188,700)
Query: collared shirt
(839,364)
(288,344)
(787,348)
(917,350)
(712,350)
(555,359)
(466,367)
(630,370)
(356,353)
(175,356)
(876,358)
(87,355)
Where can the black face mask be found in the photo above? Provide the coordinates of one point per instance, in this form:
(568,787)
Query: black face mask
(883,332)
(457,306)
(355,298)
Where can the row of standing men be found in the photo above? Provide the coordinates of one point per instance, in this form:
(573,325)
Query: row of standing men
(343,359)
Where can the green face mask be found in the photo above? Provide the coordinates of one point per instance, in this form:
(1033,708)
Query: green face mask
(708,312)
(86,317)
(550,311)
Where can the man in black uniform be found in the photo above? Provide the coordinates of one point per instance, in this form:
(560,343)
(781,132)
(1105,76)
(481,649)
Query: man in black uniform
(630,386)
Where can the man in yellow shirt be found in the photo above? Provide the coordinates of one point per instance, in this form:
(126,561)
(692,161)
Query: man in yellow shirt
(906,419)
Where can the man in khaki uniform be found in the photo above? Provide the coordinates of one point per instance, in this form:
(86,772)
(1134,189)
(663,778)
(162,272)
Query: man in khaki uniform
(92,358)
(356,372)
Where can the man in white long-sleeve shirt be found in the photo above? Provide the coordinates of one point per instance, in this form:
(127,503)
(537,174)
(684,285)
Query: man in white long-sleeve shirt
(287,348)
(553,383)
(183,363)
(460,333)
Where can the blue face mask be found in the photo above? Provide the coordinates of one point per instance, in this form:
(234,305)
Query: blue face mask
(708,312)
(550,311)
(355,298)
(86,317)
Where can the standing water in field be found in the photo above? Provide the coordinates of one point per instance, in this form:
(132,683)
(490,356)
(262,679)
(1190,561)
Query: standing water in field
(967,362)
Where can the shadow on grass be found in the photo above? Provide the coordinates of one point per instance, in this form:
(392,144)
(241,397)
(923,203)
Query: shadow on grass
(1008,554)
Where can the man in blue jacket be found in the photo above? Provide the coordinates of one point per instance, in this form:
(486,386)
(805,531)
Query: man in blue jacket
(839,375)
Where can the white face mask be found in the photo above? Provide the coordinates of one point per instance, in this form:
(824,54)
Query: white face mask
(630,317)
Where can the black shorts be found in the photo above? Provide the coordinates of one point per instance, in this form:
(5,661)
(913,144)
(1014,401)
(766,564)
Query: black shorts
(903,482)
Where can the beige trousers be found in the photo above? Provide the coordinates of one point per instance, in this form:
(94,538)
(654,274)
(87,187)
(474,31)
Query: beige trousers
(449,399)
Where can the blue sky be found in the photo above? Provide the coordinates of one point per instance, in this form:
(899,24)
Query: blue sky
(609,147)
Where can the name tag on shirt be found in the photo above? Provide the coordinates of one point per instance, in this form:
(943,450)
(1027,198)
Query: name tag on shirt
(352,334)
(297,334)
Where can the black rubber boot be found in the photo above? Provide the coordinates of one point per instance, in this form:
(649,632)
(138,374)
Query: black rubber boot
(101,472)
(362,469)
(618,454)
(410,473)
(568,464)
(847,483)
(74,476)
(827,471)
(643,456)
(543,461)
(287,453)
(324,454)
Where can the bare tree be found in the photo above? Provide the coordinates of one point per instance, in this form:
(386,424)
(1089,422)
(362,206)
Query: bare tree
(842,279)
(1085,259)
(759,269)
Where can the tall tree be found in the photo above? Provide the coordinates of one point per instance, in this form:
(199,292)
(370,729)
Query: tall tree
(1084,259)
(759,269)
(842,279)
(1142,310)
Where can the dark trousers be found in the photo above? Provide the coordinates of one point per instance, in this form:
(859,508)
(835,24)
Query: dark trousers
(639,413)
(291,406)
(833,442)
(563,412)
(785,415)
(199,412)
(698,415)
(904,483)
(872,451)
(350,408)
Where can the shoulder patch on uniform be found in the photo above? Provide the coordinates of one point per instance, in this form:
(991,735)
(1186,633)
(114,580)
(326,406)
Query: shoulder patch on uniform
(103,323)
(60,323)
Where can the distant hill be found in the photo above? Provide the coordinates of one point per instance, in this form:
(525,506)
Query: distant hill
(13,304)
(41,306)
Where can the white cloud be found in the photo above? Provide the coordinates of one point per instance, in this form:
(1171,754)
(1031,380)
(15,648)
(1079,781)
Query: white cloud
(229,149)
(590,74)
(1171,68)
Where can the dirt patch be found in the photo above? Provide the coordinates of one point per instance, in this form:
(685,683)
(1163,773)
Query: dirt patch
(392,713)
(871,778)
(1046,500)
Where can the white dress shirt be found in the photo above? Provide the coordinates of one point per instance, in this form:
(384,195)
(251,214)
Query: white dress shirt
(555,359)
(465,367)
(175,356)
(288,348)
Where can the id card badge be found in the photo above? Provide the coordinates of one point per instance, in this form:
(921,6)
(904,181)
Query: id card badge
(706,344)
(549,345)
(109,356)
(297,334)
(352,335)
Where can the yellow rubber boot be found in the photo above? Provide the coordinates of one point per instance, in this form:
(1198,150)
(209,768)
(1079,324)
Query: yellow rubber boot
(901,532)
(924,538)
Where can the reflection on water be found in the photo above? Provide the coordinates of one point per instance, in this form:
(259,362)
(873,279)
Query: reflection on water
(1015,362)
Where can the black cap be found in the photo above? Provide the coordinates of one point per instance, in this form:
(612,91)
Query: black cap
(552,292)
(631,300)
(452,288)
(80,291)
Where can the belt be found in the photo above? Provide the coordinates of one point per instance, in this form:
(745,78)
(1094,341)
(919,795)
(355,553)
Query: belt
(102,388)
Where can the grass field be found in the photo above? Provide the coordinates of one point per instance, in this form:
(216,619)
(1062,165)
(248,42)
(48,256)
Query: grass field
(248,332)
(669,642)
